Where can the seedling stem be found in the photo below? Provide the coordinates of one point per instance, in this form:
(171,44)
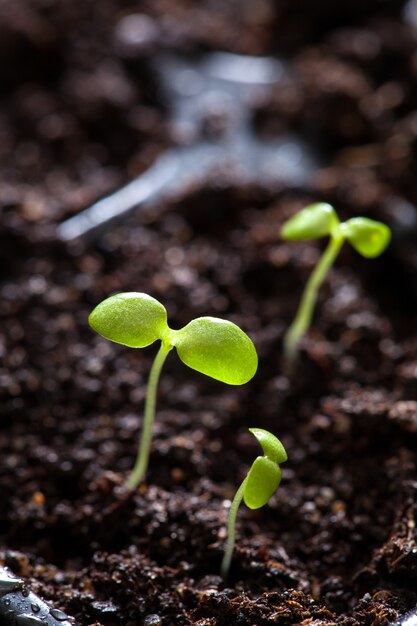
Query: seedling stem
(366,236)
(305,311)
(231,529)
(142,459)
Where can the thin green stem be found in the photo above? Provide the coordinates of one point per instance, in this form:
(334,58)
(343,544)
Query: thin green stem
(231,530)
(142,458)
(304,315)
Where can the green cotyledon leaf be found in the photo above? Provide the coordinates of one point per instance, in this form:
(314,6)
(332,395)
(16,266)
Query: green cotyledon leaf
(271,445)
(262,481)
(368,237)
(132,319)
(217,348)
(314,221)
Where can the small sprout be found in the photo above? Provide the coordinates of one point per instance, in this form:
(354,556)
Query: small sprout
(260,484)
(210,345)
(368,237)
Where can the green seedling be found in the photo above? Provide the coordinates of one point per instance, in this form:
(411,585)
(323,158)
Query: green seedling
(366,236)
(260,484)
(210,345)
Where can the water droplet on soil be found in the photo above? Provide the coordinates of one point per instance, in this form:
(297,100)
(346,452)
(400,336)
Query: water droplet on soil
(60,616)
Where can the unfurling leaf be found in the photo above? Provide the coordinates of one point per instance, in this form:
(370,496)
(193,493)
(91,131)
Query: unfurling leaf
(271,445)
(262,481)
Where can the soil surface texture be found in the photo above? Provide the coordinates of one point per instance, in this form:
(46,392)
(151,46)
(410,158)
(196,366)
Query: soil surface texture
(80,114)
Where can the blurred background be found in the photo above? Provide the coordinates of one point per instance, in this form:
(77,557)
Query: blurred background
(83,108)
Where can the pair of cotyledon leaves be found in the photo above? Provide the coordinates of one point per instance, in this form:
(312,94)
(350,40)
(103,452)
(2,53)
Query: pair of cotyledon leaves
(264,476)
(212,346)
(368,237)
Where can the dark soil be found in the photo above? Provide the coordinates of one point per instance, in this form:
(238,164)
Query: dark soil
(79,115)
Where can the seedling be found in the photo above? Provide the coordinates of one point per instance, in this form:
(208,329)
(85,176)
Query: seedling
(260,484)
(210,345)
(366,236)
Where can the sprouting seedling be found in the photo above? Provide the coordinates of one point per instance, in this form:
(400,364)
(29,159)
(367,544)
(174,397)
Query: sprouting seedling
(210,345)
(366,236)
(260,484)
